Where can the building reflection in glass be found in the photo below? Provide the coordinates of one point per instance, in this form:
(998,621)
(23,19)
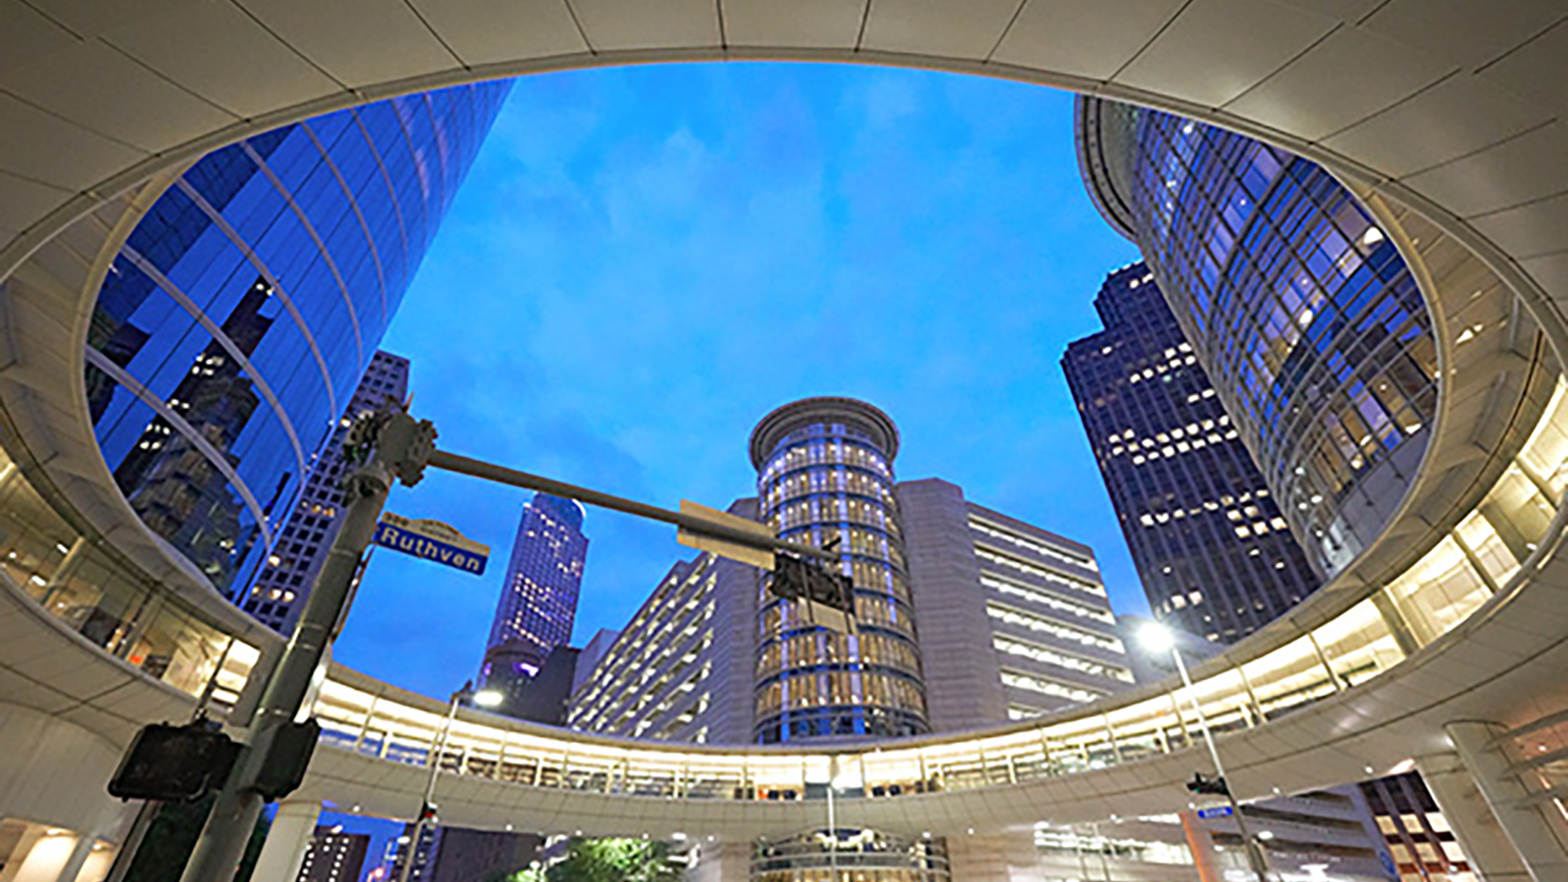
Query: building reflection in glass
(1303,313)
(237,319)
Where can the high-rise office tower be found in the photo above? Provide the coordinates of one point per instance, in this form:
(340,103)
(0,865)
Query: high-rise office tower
(280,590)
(539,596)
(334,856)
(240,315)
(1296,304)
(1214,553)
(681,669)
(825,475)
(1016,623)
(1299,306)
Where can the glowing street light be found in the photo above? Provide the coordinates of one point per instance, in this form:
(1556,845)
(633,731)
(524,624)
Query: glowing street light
(1155,637)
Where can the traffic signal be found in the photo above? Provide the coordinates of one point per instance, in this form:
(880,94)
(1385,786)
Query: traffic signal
(797,579)
(174,763)
(288,756)
(1208,786)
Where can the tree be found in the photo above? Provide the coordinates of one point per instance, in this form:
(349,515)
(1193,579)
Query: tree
(615,860)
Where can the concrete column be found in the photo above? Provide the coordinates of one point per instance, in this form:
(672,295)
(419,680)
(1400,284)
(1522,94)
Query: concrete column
(290,835)
(1491,855)
(77,859)
(97,865)
(1537,845)
(21,852)
(45,857)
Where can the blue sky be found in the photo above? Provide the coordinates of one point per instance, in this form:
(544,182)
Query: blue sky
(644,261)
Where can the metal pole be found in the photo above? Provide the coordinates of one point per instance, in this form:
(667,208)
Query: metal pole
(832,835)
(430,786)
(145,816)
(500,474)
(1254,855)
(234,812)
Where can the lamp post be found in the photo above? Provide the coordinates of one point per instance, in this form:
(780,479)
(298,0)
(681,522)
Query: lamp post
(483,698)
(1157,638)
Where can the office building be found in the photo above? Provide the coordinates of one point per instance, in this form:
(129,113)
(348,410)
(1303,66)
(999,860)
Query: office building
(278,596)
(1285,289)
(1296,304)
(825,475)
(1215,555)
(334,856)
(538,596)
(681,669)
(238,318)
(1015,622)
(1415,832)
(460,855)
(422,851)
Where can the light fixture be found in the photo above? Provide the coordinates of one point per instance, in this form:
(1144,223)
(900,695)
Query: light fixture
(1155,637)
(1266,835)
(488,698)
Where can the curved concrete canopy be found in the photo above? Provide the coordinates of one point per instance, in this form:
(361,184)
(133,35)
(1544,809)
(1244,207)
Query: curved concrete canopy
(1452,109)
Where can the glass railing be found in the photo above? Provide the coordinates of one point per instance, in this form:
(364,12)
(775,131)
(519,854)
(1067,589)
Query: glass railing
(95,596)
(1478,558)
(145,625)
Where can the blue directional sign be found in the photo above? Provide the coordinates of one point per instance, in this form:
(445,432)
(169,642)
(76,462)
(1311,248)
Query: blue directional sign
(432,540)
(1219,811)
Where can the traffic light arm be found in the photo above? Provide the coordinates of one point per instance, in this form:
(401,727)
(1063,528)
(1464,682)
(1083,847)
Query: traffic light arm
(500,474)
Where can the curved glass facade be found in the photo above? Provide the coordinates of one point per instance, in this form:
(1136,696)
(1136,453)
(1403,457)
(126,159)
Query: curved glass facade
(825,471)
(1303,313)
(242,311)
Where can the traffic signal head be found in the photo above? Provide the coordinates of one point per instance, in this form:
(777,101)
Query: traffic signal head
(1208,786)
(794,579)
(174,763)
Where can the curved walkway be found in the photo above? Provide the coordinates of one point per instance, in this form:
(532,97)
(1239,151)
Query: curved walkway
(1441,628)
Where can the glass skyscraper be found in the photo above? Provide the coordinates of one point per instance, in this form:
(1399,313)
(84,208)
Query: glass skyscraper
(1212,549)
(1301,310)
(1297,304)
(278,595)
(825,473)
(238,318)
(538,603)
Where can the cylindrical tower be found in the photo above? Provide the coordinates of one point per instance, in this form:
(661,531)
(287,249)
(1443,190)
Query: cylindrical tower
(825,471)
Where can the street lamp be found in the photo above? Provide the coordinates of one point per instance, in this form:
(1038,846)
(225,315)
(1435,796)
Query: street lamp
(1155,637)
(483,698)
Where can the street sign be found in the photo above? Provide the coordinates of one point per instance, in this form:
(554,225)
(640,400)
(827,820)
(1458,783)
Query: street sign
(757,557)
(1219,811)
(432,540)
